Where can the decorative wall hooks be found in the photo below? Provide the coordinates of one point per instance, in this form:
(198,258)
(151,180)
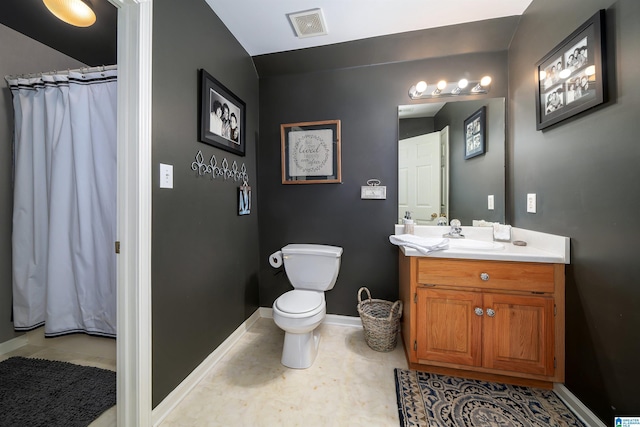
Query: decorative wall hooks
(235,173)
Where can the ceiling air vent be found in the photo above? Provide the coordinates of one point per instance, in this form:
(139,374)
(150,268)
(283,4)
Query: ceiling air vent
(309,23)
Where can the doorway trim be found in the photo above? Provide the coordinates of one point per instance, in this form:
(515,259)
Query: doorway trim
(134,399)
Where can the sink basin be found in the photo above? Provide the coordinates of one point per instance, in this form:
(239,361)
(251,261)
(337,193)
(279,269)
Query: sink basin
(474,245)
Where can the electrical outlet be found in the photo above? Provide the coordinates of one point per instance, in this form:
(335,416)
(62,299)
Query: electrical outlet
(490,202)
(531,203)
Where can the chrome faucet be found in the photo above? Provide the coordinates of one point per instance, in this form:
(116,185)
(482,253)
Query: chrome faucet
(456,230)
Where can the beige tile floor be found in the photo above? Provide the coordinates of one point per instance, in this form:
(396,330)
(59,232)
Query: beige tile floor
(79,349)
(348,385)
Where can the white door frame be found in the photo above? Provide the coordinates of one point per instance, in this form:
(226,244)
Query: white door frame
(134,402)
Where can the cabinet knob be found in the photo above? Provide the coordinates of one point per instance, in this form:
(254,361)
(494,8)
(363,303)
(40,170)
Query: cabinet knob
(484,276)
(490,312)
(479,311)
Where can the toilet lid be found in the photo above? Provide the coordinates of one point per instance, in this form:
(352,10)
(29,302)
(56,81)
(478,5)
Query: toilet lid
(299,301)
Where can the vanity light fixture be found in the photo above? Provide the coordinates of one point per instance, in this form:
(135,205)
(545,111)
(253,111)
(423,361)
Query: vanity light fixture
(418,89)
(74,12)
(482,85)
(462,84)
(590,70)
(565,73)
(442,84)
(444,88)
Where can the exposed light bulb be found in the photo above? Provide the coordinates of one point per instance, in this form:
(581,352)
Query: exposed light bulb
(421,86)
(463,83)
(486,81)
(441,85)
(73,12)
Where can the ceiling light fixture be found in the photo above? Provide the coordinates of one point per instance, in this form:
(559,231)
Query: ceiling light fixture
(74,12)
(444,88)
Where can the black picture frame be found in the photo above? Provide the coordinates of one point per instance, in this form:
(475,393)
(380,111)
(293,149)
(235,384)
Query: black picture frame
(581,82)
(474,132)
(218,131)
(311,152)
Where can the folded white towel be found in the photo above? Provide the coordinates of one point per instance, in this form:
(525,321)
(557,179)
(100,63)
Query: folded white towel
(424,245)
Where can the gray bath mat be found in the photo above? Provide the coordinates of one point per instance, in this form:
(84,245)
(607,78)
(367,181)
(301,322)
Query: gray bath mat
(36,392)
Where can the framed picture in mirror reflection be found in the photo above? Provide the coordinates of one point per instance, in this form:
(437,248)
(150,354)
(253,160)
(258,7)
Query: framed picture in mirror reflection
(475,134)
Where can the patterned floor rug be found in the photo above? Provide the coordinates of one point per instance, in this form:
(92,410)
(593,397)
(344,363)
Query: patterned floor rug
(430,400)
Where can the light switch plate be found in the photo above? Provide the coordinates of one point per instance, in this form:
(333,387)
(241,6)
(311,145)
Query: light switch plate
(531,202)
(377,192)
(166,176)
(490,202)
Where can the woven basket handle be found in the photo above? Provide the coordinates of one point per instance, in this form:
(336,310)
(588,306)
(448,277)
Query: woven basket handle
(360,294)
(394,307)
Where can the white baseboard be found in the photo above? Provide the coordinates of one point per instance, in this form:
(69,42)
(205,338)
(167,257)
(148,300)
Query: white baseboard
(13,344)
(577,407)
(169,403)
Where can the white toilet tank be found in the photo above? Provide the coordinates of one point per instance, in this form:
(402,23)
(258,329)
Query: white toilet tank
(313,267)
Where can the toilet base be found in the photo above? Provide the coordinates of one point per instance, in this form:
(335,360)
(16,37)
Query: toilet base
(300,350)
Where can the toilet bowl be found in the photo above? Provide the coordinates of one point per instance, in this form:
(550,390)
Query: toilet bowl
(312,270)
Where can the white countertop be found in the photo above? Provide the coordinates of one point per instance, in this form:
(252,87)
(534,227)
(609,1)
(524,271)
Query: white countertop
(541,247)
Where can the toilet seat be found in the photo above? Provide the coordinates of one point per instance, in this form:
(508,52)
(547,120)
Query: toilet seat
(300,303)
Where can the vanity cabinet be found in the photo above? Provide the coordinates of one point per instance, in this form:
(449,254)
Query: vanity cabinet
(495,320)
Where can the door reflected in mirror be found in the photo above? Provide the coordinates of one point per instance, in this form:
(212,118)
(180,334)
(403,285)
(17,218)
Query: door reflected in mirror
(434,179)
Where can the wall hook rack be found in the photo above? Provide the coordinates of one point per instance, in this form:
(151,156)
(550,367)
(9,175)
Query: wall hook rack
(224,171)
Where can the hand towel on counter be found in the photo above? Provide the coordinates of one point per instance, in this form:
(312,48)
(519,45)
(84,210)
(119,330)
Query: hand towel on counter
(424,245)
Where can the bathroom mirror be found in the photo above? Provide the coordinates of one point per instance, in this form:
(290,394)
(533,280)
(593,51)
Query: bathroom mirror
(434,177)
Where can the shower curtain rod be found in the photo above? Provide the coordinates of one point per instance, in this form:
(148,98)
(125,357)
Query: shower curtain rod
(82,70)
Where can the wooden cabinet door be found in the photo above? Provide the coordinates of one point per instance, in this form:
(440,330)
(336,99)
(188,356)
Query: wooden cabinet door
(448,330)
(520,335)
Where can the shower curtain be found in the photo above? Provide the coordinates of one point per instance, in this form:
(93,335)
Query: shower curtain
(64,211)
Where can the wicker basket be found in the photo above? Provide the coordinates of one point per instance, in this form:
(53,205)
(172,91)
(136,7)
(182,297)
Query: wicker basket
(380,320)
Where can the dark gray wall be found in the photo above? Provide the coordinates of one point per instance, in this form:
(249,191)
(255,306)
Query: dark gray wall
(408,128)
(204,256)
(472,180)
(366,100)
(585,173)
(13,60)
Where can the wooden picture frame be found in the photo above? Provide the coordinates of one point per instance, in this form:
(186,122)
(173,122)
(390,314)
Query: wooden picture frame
(475,133)
(311,152)
(222,119)
(572,78)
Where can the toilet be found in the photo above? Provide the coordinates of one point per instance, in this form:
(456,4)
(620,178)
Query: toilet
(312,270)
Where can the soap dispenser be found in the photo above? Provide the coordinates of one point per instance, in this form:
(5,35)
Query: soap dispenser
(408,223)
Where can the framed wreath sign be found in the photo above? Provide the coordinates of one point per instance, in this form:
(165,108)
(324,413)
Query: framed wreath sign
(311,152)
